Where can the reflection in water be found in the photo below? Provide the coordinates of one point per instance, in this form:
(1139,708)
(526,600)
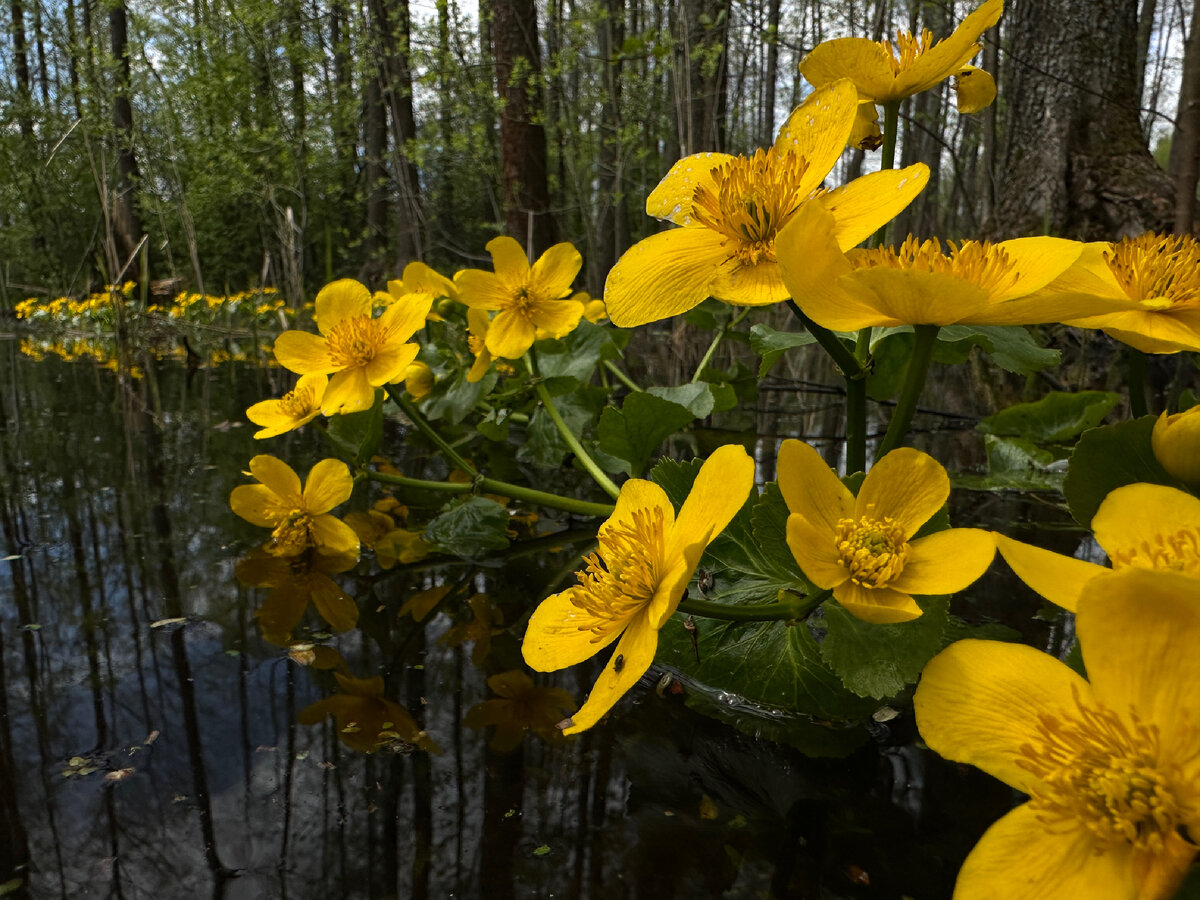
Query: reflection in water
(219,718)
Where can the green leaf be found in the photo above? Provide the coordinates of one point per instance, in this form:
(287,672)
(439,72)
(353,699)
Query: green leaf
(676,478)
(469,528)
(889,362)
(543,445)
(457,398)
(696,398)
(1011,347)
(1057,417)
(1015,465)
(635,431)
(577,355)
(1107,458)
(358,435)
(880,661)
(771,344)
(494,426)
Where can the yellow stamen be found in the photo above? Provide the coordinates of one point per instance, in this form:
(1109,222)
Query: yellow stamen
(475,344)
(291,536)
(979,262)
(621,577)
(907,48)
(298,403)
(874,551)
(755,196)
(1179,551)
(1160,272)
(353,342)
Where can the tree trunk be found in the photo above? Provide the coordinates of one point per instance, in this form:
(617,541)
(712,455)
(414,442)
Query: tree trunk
(612,225)
(522,137)
(1185,144)
(375,145)
(127,225)
(1076,162)
(705,38)
(21,65)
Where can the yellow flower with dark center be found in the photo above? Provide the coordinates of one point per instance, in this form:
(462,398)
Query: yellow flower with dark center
(887,71)
(635,579)
(1147,526)
(863,548)
(1111,766)
(969,282)
(527,298)
(1154,282)
(297,407)
(366,720)
(520,706)
(732,208)
(359,351)
(299,519)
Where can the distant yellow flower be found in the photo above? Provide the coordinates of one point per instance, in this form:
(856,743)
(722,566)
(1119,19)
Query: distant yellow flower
(477,328)
(1111,767)
(974,283)
(1176,444)
(419,380)
(887,72)
(863,547)
(594,309)
(360,352)
(1147,526)
(295,581)
(1153,282)
(297,407)
(527,297)
(299,519)
(520,706)
(635,579)
(366,720)
(420,280)
(731,208)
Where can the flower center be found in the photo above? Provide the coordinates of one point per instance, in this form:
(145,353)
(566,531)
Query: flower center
(980,262)
(1179,551)
(291,535)
(622,575)
(907,48)
(354,341)
(297,404)
(873,551)
(1098,772)
(754,197)
(1160,272)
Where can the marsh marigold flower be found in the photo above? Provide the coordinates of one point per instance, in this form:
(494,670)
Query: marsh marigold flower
(519,706)
(297,407)
(863,548)
(1147,526)
(295,581)
(298,518)
(366,720)
(1111,764)
(1176,444)
(360,352)
(635,579)
(731,208)
(527,298)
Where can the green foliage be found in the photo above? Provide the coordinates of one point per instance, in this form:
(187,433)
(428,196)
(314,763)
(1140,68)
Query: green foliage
(634,432)
(357,436)
(469,528)
(771,344)
(1107,458)
(880,661)
(1055,418)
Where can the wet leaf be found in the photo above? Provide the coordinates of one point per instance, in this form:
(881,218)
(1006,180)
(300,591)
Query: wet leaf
(470,528)
(1057,417)
(358,435)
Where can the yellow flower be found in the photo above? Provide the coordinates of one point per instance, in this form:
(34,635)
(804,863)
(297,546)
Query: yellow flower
(360,352)
(520,707)
(420,281)
(1153,282)
(477,328)
(294,582)
(1111,766)
(731,208)
(863,547)
(635,579)
(366,720)
(594,309)
(297,407)
(391,544)
(419,379)
(975,283)
(887,72)
(1147,526)
(1176,444)
(299,519)
(527,297)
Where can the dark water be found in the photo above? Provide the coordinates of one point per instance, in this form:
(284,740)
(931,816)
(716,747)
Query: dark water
(147,759)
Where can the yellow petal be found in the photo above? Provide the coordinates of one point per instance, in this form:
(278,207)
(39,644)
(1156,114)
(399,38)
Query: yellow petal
(1056,577)
(1020,858)
(949,56)
(810,487)
(1137,518)
(1158,875)
(1155,332)
(557,317)
(258,505)
(815,551)
(561,634)
(420,278)
(865,135)
(859,58)
(879,606)
(760,284)
(907,486)
(402,319)
(348,392)
(721,488)
(342,299)
(481,290)
(637,495)
(1037,261)
(332,536)
(979,702)
(1176,444)
(863,206)
(509,261)
(630,660)
(818,130)
(974,89)
(334,605)
(664,275)
(510,335)
(945,562)
(391,365)
(277,476)
(479,368)
(1139,630)
(552,274)
(300,351)
(672,198)
(915,297)
(329,484)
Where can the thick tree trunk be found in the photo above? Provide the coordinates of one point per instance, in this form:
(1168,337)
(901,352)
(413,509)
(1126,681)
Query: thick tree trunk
(1076,163)
(522,136)
(375,145)
(127,225)
(1185,144)
(705,39)
(612,225)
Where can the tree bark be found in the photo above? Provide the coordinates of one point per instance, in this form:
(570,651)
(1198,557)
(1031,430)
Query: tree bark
(1185,144)
(21,65)
(1076,162)
(127,225)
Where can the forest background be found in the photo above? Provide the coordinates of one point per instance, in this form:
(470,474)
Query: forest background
(219,145)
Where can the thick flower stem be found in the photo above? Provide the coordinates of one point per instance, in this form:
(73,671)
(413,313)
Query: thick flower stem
(585,459)
(503,488)
(1135,377)
(424,426)
(716,341)
(831,344)
(910,391)
(620,375)
(795,607)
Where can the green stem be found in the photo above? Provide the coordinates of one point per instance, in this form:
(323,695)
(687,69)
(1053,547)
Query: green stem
(620,375)
(1135,361)
(494,486)
(795,607)
(910,391)
(856,425)
(598,475)
(831,344)
(423,425)
(891,119)
(720,335)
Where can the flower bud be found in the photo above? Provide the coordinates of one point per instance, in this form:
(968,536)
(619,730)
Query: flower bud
(1176,443)
(419,380)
